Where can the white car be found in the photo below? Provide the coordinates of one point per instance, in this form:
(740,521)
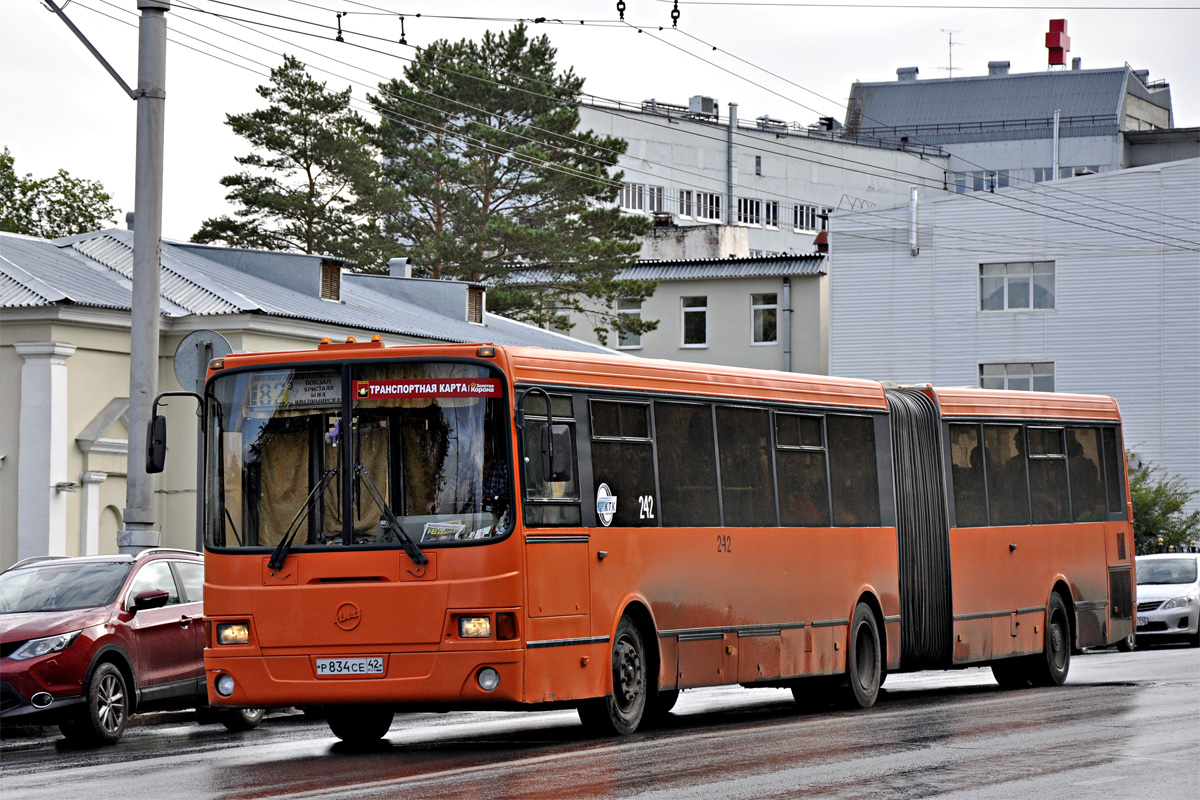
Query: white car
(1168,595)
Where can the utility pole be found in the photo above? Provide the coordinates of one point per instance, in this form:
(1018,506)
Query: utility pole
(140,523)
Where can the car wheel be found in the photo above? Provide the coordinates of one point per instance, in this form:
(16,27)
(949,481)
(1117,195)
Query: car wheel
(103,719)
(242,719)
(621,712)
(1128,644)
(864,667)
(1051,669)
(359,725)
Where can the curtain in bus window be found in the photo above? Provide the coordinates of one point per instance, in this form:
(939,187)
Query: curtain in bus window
(1114,472)
(282,488)
(625,465)
(853,471)
(1008,486)
(966,465)
(1048,476)
(372,444)
(687,465)
(747,490)
(1087,485)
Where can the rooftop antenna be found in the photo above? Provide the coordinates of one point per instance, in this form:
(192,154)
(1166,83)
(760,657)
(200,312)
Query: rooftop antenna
(950,69)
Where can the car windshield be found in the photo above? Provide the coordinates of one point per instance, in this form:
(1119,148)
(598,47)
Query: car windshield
(1166,570)
(58,586)
(390,454)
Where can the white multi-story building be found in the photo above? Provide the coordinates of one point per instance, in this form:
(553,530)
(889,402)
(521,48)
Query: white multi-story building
(779,181)
(1085,285)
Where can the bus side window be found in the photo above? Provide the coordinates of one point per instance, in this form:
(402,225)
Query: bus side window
(1007,480)
(966,466)
(554,503)
(687,464)
(1114,471)
(800,470)
(1048,476)
(1087,483)
(623,460)
(747,488)
(853,475)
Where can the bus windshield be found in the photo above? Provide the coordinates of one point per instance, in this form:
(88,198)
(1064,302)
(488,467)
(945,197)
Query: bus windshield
(357,455)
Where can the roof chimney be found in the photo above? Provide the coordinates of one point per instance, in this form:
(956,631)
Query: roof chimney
(998,67)
(399,268)
(129,220)
(907,74)
(1076,63)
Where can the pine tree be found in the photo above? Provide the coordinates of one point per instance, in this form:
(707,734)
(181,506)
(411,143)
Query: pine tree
(487,178)
(311,164)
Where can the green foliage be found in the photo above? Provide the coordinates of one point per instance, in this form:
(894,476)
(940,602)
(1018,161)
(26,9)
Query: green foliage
(488,179)
(51,207)
(1158,509)
(302,189)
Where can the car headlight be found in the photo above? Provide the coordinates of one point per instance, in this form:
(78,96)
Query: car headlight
(48,644)
(1178,602)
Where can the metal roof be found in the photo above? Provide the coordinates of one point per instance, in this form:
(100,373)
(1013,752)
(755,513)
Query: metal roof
(95,270)
(942,106)
(704,269)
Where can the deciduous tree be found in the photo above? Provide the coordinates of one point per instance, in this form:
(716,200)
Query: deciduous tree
(1159,509)
(51,207)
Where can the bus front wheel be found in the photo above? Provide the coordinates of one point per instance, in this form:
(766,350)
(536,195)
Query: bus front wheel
(359,724)
(864,667)
(621,712)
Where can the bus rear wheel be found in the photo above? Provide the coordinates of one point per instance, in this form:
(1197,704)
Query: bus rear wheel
(864,667)
(359,724)
(1051,668)
(621,713)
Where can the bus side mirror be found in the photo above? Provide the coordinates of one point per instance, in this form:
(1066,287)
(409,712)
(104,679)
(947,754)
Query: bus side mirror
(156,444)
(556,453)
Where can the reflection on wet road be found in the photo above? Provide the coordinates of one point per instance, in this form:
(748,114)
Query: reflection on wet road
(1124,726)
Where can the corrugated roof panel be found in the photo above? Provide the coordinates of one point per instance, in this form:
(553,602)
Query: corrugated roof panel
(68,274)
(705,268)
(916,105)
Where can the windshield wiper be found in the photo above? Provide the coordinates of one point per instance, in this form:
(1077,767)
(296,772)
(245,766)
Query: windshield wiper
(279,554)
(393,524)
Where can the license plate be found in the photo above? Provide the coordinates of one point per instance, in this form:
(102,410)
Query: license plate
(347,667)
(1143,621)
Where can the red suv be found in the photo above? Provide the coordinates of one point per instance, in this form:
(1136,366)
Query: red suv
(85,642)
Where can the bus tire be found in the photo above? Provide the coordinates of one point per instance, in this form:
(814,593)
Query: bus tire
(864,659)
(620,713)
(1051,668)
(659,705)
(359,724)
(1011,673)
(1128,644)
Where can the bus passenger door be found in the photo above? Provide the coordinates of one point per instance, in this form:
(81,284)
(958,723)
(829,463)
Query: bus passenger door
(558,591)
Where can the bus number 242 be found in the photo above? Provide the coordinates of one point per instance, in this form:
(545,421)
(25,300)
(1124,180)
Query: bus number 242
(646,506)
(724,543)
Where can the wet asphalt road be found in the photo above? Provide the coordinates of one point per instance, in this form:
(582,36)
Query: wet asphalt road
(1124,726)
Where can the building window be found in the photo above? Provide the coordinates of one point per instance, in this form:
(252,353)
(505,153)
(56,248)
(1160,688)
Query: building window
(629,341)
(633,196)
(823,218)
(695,321)
(806,218)
(764,310)
(685,203)
(708,205)
(658,198)
(1022,376)
(771,214)
(758,165)
(1016,285)
(749,211)
(1043,174)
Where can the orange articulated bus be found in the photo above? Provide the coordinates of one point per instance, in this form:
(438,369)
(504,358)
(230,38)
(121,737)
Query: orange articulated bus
(475,526)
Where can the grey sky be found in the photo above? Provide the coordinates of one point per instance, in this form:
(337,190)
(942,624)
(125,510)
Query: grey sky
(792,61)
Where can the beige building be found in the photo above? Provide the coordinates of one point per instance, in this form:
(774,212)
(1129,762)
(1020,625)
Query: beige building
(64,365)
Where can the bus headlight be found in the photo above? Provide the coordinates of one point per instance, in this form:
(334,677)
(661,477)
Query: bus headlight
(233,633)
(474,627)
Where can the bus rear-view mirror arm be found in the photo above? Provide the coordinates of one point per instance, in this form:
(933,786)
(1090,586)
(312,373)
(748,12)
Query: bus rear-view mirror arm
(156,431)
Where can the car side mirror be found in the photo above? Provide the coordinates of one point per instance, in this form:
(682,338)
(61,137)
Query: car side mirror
(556,453)
(151,598)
